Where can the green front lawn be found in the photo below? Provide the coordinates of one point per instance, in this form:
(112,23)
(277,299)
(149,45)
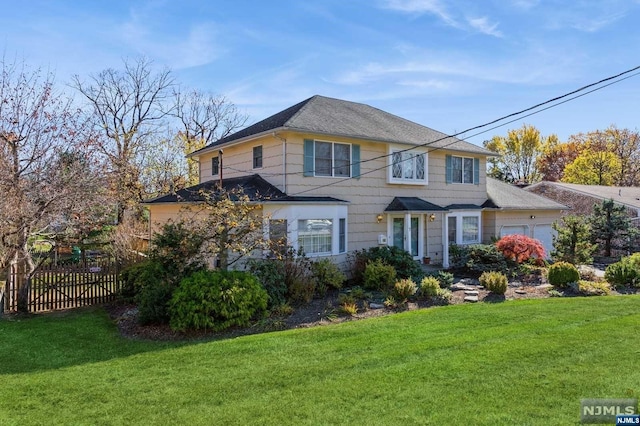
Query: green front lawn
(521,362)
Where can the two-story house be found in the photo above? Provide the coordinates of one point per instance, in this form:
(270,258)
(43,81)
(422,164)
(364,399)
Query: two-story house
(334,176)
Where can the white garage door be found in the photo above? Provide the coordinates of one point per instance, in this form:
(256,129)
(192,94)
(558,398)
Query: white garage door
(545,234)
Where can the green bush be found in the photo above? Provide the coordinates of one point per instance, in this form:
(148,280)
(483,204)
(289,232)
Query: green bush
(402,262)
(478,258)
(495,282)
(561,274)
(326,275)
(217,300)
(153,302)
(403,289)
(134,277)
(591,288)
(625,272)
(429,287)
(271,274)
(379,276)
(445,278)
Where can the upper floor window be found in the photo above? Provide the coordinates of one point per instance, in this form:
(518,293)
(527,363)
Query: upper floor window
(215,166)
(462,169)
(257,157)
(408,167)
(332,159)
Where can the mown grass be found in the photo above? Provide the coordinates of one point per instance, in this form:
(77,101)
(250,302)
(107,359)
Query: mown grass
(524,362)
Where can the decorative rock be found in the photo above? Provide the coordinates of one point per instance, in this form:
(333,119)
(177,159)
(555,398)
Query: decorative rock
(471,299)
(544,286)
(376,306)
(471,292)
(520,291)
(458,287)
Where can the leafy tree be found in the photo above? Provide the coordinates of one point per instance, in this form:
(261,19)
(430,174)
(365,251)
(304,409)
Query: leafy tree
(519,153)
(611,225)
(572,243)
(555,157)
(521,248)
(593,168)
(49,181)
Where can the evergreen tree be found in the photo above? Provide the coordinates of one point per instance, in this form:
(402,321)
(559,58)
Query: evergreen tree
(572,244)
(611,225)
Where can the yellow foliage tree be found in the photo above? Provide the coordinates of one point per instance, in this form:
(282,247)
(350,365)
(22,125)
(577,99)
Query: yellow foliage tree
(593,168)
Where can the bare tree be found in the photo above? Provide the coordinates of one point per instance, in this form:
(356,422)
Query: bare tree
(129,106)
(204,118)
(49,179)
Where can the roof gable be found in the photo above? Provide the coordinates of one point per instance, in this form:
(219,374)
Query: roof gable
(330,116)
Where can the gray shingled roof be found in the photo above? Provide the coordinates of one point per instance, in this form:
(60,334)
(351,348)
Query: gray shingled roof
(253,186)
(626,195)
(505,196)
(402,204)
(330,116)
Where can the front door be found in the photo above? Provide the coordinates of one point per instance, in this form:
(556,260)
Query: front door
(401,232)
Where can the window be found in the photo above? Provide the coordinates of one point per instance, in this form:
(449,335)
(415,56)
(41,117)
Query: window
(257,157)
(462,170)
(314,235)
(408,167)
(332,159)
(470,229)
(278,235)
(215,166)
(463,228)
(342,235)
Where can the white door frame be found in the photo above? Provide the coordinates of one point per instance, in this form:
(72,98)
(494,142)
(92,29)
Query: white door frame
(408,231)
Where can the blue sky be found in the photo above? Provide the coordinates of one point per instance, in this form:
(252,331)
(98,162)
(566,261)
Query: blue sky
(449,65)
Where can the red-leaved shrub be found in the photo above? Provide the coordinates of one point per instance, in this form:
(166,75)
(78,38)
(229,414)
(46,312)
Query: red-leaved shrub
(521,248)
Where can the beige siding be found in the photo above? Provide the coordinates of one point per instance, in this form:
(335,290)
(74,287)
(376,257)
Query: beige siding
(493,221)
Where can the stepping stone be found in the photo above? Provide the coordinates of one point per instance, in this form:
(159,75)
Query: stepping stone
(471,299)
(457,287)
(471,292)
(521,291)
(376,306)
(544,286)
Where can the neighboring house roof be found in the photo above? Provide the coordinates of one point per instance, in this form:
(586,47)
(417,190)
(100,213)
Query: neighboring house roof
(627,195)
(402,204)
(508,197)
(464,207)
(253,186)
(322,115)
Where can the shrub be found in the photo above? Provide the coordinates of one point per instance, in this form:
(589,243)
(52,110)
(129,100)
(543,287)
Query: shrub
(379,276)
(326,274)
(403,289)
(429,287)
(217,300)
(561,274)
(297,276)
(625,272)
(137,276)
(572,244)
(445,278)
(271,274)
(401,261)
(520,248)
(591,288)
(349,308)
(478,258)
(153,302)
(495,282)
(282,310)
(358,293)
(443,296)
(346,298)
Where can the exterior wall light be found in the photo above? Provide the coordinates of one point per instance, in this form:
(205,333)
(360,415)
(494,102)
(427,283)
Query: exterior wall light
(379,217)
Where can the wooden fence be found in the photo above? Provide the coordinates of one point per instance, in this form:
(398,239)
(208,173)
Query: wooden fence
(53,287)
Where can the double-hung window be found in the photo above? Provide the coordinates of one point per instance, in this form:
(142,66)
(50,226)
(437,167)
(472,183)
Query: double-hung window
(257,157)
(315,235)
(464,228)
(332,159)
(408,166)
(462,169)
(215,166)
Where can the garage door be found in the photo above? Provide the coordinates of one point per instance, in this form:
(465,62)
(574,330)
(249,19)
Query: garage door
(545,234)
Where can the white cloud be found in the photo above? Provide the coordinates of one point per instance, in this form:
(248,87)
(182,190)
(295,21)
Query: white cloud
(484,26)
(593,25)
(433,7)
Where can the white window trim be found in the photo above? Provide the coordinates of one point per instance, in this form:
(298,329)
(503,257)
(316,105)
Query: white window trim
(293,213)
(407,231)
(472,170)
(415,151)
(333,159)
(459,215)
(523,225)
